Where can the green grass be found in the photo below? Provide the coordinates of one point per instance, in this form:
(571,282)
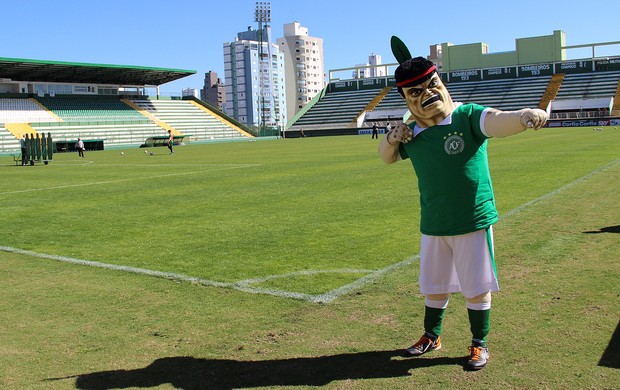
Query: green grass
(300,216)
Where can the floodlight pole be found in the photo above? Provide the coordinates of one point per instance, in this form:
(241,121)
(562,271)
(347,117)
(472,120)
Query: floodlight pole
(262,15)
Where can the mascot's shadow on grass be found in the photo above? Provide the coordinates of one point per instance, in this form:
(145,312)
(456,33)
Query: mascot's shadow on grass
(606,229)
(184,372)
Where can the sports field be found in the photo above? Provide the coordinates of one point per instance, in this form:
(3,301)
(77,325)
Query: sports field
(293,262)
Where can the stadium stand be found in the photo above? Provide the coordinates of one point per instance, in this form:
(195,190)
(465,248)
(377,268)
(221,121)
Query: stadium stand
(190,118)
(552,90)
(589,85)
(589,95)
(510,94)
(339,109)
(91,109)
(23,111)
(391,101)
(95,105)
(100,120)
(342,108)
(7,140)
(336,108)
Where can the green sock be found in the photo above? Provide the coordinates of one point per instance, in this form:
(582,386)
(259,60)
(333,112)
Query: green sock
(480,323)
(432,321)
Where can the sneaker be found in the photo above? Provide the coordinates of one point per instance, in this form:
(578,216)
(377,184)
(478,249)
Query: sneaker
(478,357)
(424,345)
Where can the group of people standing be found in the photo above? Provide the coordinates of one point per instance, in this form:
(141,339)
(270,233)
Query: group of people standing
(36,148)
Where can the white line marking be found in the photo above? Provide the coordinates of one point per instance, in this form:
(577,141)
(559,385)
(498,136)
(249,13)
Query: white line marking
(556,191)
(246,285)
(359,283)
(236,166)
(330,296)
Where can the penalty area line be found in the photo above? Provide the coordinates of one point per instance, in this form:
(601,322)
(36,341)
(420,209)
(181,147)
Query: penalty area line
(114,267)
(244,286)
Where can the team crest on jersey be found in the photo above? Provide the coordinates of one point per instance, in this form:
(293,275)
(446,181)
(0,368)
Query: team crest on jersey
(454,143)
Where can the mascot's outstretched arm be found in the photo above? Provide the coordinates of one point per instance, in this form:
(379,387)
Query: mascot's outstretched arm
(388,148)
(505,123)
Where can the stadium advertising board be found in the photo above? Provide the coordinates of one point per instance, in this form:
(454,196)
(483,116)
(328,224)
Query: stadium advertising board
(573,67)
(465,75)
(372,83)
(499,73)
(84,90)
(380,130)
(343,86)
(582,123)
(535,70)
(607,64)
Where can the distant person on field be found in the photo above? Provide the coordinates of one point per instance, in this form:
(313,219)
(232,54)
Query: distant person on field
(24,147)
(375,131)
(170,141)
(447,146)
(301,133)
(79,145)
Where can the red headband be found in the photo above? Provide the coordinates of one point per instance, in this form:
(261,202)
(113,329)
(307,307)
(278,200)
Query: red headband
(405,82)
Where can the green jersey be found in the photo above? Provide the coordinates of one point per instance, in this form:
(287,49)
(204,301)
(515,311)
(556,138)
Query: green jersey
(450,161)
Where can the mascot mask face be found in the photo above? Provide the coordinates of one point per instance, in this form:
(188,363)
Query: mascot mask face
(417,80)
(426,95)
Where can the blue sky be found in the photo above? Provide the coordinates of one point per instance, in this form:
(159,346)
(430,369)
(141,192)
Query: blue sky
(188,34)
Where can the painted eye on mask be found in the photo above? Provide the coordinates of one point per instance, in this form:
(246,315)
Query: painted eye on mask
(415,92)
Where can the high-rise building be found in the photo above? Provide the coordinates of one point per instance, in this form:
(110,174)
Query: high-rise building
(304,65)
(436,56)
(213,91)
(254,72)
(374,60)
(190,92)
(370,69)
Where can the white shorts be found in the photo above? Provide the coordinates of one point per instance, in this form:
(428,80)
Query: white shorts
(462,263)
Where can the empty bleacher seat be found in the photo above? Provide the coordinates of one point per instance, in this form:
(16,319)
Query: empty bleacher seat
(338,108)
(589,85)
(189,119)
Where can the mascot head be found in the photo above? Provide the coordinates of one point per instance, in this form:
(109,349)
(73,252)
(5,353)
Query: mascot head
(419,84)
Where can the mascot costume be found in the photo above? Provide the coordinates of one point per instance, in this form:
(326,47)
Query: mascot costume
(447,145)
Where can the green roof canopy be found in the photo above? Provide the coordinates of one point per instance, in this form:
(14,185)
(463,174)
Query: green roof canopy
(75,72)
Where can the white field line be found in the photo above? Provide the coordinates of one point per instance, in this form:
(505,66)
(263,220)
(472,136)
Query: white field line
(215,169)
(558,190)
(330,296)
(247,285)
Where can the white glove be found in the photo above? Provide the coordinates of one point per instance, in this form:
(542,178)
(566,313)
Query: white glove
(533,118)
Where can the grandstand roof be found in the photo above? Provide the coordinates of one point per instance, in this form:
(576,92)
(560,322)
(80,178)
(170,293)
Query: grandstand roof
(75,72)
